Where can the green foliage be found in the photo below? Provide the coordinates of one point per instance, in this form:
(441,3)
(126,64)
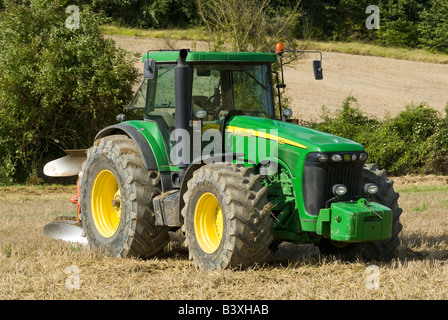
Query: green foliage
(146,13)
(399,21)
(415,141)
(433,29)
(347,121)
(169,13)
(58,86)
(403,23)
(401,144)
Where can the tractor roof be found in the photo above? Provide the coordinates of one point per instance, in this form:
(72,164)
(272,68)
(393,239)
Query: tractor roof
(198,56)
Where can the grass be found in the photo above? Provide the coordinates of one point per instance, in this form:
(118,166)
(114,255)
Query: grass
(365,49)
(33,266)
(195,34)
(357,48)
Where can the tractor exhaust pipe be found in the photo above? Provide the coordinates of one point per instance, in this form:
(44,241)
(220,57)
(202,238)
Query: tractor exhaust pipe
(182,88)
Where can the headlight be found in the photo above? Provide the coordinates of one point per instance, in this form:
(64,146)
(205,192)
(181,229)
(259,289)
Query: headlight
(336,157)
(370,188)
(322,157)
(287,113)
(363,156)
(339,190)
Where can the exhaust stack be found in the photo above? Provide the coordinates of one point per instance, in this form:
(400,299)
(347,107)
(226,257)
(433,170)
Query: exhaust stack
(182,88)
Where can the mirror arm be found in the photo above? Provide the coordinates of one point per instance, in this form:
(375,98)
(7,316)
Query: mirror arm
(279,86)
(283,85)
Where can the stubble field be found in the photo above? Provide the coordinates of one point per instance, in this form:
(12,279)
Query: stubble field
(33,266)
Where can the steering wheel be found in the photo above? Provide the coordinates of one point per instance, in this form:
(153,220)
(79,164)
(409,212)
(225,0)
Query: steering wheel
(216,107)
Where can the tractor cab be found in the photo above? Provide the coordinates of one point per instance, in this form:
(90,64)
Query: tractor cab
(216,90)
(215,87)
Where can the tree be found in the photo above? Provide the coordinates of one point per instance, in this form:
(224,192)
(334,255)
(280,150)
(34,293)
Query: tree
(146,13)
(433,29)
(248,25)
(59,86)
(399,20)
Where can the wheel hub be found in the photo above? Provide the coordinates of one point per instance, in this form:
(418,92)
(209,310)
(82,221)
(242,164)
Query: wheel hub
(106,203)
(208,222)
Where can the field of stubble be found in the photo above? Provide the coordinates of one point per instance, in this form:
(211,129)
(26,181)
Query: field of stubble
(33,266)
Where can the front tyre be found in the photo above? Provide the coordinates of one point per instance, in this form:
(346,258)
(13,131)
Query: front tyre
(226,223)
(116,200)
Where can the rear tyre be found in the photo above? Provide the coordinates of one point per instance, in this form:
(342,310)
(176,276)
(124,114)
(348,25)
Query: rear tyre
(226,224)
(374,250)
(116,200)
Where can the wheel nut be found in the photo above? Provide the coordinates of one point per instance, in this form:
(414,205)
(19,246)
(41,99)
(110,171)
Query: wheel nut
(116,203)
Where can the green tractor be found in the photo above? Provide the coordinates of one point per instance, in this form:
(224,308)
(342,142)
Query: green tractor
(204,148)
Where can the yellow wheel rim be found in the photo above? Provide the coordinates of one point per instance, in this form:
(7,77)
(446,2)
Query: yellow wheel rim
(208,222)
(106,203)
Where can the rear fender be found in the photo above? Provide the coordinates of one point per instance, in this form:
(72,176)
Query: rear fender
(144,147)
(137,137)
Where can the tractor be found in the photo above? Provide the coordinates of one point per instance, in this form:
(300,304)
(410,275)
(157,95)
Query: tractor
(205,147)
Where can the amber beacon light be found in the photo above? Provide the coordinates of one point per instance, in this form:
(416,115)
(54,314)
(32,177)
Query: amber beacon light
(279,48)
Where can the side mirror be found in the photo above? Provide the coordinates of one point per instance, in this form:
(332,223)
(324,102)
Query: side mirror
(149,69)
(317,66)
(121,117)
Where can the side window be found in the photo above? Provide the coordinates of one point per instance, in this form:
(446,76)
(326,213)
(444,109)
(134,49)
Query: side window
(137,106)
(206,92)
(205,82)
(161,97)
(219,89)
(250,91)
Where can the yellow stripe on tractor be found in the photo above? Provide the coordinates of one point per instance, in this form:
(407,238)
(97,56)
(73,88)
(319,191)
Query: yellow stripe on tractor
(254,133)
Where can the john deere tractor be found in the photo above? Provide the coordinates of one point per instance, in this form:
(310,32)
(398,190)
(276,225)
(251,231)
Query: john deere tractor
(205,147)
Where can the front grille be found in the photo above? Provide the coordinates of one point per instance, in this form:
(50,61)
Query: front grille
(319,178)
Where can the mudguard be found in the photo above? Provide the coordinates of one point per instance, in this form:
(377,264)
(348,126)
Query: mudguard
(137,137)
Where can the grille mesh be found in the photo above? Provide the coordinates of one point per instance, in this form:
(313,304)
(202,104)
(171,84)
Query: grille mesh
(318,180)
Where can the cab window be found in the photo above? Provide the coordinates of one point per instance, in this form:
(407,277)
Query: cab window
(221,88)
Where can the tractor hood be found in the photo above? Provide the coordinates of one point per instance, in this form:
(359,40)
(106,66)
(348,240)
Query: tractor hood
(291,134)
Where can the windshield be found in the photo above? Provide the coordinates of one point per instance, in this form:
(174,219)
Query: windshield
(217,90)
(220,88)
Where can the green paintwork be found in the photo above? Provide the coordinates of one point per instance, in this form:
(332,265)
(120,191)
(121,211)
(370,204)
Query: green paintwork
(153,135)
(195,56)
(287,225)
(355,221)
